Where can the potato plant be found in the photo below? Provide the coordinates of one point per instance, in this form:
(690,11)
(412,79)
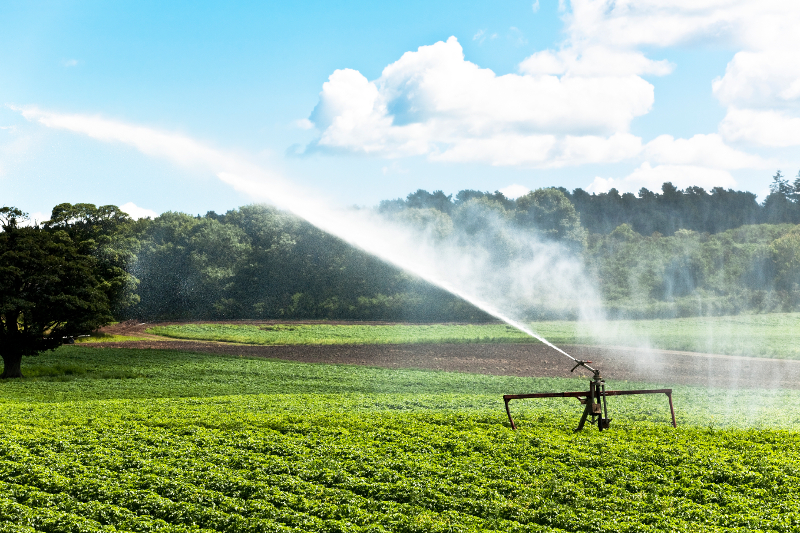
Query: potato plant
(188,443)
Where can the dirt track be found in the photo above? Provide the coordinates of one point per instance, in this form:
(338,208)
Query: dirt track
(657,366)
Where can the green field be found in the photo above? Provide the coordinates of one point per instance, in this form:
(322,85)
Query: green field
(770,335)
(156,440)
(104,337)
(343,334)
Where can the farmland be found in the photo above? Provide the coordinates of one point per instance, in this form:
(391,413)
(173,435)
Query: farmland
(102,439)
(769,335)
(343,333)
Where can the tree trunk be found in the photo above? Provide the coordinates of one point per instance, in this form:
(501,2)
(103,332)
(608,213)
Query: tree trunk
(11,366)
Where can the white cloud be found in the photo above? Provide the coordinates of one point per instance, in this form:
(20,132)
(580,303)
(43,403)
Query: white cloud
(243,176)
(594,61)
(762,91)
(178,148)
(652,178)
(433,102)
(70,62)
(573,105)
(515,191)
(761,84)
(700,150)
(137,212)
(660,23)
(535,6)
(548,151)
(764,127)
(758,79)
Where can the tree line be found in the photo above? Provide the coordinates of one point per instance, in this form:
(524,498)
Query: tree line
(647,212)
(674,253)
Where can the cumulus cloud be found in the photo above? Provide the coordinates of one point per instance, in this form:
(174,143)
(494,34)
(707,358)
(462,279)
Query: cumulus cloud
(761,84)
(652,177)
(137,212)
(700,150)
(763,127)
(574,104)
(515,191)
(433,102)
(594,61)
(655,23)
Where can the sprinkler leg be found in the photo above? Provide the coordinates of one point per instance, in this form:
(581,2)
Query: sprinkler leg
(605,421)
(671,409)
(508,411)
(586,412)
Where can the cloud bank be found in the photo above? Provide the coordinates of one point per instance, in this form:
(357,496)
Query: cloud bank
(574,104)
(433,102)
(761,84)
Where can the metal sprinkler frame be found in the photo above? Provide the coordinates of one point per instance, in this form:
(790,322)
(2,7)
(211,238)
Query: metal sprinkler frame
(594,399)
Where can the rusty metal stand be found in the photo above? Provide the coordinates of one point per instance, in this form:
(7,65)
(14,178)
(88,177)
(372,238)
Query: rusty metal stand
(594,399)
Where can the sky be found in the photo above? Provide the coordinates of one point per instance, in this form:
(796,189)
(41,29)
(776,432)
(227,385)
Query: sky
(154,106)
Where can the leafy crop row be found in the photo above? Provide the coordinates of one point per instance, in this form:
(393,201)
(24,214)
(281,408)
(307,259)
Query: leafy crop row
(192,442)
(391,472)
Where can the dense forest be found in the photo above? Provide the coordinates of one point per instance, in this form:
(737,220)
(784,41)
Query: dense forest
(648,212)
(673,253)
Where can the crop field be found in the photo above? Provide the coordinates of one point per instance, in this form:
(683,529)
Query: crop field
(101,439)
(767,335)
(102,337)
(343,333)
(770,335)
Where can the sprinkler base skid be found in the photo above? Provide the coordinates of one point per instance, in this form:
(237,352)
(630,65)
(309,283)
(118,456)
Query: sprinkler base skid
(594,399)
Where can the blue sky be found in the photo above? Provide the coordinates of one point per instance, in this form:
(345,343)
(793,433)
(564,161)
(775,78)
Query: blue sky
(362,101)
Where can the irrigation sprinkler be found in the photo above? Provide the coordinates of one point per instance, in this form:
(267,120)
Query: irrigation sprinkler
(594,399)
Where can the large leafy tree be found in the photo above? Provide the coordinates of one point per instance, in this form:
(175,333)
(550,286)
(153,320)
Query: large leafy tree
(550,213)
(108,235)
(49,292)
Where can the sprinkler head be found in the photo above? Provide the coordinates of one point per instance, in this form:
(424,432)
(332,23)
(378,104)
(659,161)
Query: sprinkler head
(585,364)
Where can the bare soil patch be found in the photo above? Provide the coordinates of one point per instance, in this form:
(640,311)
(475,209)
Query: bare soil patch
(663,367)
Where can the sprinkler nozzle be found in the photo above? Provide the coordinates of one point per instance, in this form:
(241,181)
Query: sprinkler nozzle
(579,362)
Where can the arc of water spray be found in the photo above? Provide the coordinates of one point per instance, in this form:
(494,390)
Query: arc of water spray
(390,245)
(333,222)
